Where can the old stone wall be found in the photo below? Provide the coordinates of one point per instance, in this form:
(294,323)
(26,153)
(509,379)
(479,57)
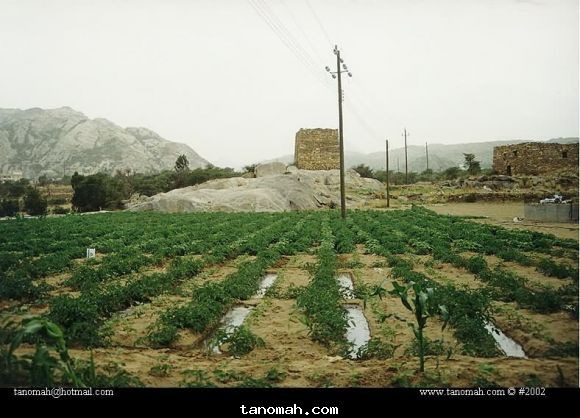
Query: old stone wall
(317,149)
(535,158)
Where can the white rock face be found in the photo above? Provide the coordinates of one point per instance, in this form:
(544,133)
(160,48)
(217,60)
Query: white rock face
(299,190)
(54,141)
(270,169)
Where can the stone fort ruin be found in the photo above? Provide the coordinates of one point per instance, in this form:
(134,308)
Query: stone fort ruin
(536,158)
(317,149)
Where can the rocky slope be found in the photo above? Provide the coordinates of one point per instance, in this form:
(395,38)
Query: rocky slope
(56,141)
(276,189)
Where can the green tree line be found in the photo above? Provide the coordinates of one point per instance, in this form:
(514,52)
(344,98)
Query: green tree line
(103,191)
(17,196)
(472,167)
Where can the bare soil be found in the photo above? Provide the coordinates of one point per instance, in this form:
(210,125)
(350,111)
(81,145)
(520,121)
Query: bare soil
(503,214)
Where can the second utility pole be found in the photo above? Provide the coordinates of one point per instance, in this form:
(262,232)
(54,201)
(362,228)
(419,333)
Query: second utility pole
(387,164)
(406,168)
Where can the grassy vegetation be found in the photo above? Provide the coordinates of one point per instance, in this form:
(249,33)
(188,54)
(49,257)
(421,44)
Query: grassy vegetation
(321,301)
(146,255)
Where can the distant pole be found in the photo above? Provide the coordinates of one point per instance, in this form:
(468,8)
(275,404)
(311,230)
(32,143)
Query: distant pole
(427,155)
(336,74)
(387,161)
(406,165)
(398,167)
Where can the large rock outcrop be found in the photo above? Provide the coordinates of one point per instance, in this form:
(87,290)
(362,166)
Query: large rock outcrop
(294,190)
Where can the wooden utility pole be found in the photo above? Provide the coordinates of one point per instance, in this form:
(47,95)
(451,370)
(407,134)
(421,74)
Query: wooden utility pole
(336,74)
(427,155)
(387,164)
(340,136)
(406,166)
(398,167)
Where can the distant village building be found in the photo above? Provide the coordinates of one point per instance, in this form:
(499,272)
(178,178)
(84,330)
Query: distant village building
(317,149)
(536,158)
(13,175)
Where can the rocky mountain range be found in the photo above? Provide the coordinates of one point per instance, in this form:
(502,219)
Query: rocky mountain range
(441,156)
(61,141)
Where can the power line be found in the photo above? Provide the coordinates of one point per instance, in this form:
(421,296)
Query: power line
(361,120)
(363,98)
(357,103)
(303,32)
(286,38)
(319,22)
(267,18)
(285,30)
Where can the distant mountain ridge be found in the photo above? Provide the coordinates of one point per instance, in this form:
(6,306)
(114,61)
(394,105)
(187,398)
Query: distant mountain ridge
(441,156)
(38,141)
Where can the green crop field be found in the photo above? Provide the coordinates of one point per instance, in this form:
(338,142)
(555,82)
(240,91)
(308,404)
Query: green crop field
(432,289)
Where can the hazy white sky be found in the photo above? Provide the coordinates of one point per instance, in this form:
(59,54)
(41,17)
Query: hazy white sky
(215,75)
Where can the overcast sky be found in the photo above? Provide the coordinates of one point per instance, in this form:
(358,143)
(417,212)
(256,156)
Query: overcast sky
(235,79)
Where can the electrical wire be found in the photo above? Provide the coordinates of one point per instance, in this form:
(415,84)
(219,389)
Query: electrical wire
(320,25)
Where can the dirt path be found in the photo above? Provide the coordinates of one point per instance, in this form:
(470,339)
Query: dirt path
(503,214)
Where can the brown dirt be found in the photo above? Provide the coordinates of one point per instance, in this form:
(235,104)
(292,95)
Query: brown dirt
(570,260)
(130,327)
(305,363)
(459,371)
(503,214)
(389,319)
(534,277)
(535,332)
(446,273)
(299,261)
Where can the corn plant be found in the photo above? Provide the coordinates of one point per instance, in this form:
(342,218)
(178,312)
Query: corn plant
(42,366)
(420,303)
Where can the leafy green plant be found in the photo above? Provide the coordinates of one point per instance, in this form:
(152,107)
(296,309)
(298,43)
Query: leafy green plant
(239,342)
(112,375)
(19,285)
(196,379)
(50,363)
(274,375)
(533,381)
(321,300)
(563,349)
(163,334)
(484,376)
(551,268)
(293,291)
(42,366)
(226,376)
(376,348)
(431,347)
(420,304)
(161,370)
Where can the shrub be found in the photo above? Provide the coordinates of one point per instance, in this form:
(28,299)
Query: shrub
(9,207)
(241,341)
(34,203)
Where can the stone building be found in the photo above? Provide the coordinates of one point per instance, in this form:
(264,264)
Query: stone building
(317,149)
(536,158)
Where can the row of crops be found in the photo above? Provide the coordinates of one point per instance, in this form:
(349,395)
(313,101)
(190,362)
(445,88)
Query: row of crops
(145,255)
